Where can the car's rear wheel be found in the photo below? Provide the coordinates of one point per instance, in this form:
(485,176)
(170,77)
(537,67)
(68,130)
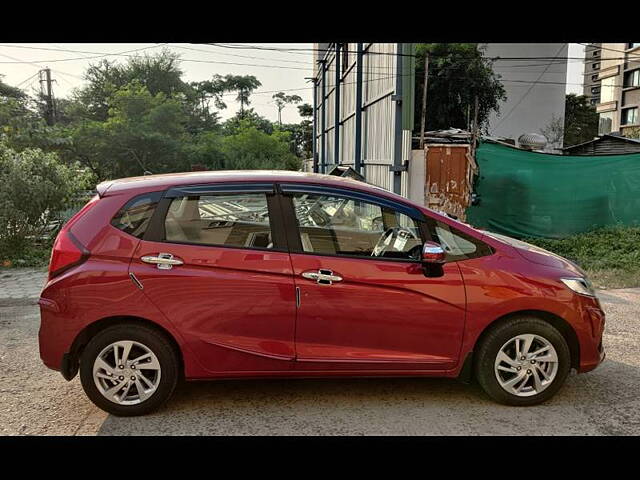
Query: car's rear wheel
(522,362)
(129,369)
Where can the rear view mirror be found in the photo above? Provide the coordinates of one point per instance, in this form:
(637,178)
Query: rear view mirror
(433,253)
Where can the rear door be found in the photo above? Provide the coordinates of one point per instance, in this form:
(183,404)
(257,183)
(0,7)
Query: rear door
(364,300)
(214,260)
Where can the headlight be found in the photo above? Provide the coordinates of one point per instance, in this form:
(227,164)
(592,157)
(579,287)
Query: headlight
(580,285)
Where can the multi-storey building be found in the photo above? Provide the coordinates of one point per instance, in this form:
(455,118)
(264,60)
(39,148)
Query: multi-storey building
(591,83)
(363,110)
(619,77)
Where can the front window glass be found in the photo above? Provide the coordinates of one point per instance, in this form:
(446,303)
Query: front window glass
(333,225)
(456,244)
(230,220)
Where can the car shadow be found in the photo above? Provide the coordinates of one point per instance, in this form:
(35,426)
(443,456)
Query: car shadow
(604,401)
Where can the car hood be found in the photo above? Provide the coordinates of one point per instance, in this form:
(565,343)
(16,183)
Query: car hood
(536,254)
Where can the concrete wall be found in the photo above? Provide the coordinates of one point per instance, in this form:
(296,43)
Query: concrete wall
(530,106)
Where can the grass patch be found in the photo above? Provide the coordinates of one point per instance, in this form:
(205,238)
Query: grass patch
(610,256)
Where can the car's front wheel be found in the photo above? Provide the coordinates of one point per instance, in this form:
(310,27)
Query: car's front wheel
(522,362)
(129,369)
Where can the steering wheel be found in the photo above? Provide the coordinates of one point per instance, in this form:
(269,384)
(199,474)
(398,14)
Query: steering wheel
(386,239)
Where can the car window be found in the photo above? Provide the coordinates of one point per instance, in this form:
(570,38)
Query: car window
(133,218)
(336,225)
(456,244)
(230,220)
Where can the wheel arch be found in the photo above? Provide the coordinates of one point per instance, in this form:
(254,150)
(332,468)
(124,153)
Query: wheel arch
(557,322)
(71,364)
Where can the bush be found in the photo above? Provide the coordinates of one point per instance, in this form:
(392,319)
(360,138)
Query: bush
(36,188)
(611,254)
(250,148)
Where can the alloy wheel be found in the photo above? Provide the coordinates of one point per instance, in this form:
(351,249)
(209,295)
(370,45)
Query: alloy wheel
(526,365)
(126,372)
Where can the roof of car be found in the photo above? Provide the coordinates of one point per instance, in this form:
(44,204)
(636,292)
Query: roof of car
(149,183)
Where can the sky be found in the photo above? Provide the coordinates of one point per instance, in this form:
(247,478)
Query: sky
(276,70)
(20,62)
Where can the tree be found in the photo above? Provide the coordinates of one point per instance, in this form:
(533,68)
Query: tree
(580,120)
(159,73)
(281,100)
(554,131)
(249,117)
(142,133)
(244,85)
(305,110)
(249,148)
(36,187)
(458,72)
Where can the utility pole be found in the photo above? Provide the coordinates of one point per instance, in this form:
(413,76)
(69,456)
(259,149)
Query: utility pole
(475,126)
(424,100)
(47,93)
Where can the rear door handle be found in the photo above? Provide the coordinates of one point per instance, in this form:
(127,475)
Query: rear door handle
(164,261)
(323,277)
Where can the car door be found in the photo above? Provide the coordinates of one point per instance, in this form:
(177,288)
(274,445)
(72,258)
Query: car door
(364,300)
(215,262)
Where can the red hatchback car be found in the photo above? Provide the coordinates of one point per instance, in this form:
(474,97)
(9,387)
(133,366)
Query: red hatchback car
(277,274)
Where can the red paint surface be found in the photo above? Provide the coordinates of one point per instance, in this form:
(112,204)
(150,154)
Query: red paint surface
(233,312)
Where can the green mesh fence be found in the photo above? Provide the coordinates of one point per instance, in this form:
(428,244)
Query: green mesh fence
(527,194)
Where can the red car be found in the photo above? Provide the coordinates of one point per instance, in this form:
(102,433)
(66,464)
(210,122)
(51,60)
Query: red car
(277,274)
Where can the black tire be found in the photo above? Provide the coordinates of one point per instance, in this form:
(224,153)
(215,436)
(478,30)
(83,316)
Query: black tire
(153,340)
(491,344)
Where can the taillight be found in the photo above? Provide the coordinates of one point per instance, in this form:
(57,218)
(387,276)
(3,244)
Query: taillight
(67,252)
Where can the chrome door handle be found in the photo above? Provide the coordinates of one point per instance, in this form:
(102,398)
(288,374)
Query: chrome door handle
(323,277)
(164,261)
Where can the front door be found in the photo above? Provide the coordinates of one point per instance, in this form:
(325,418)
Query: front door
(216,265)
(364,299)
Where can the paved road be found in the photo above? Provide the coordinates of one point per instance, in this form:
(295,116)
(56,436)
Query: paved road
(38,401)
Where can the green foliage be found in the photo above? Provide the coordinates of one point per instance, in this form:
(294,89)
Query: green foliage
(305,110)
(610,255)
(580,120)
(458,72)
(36,188)
(249,117)
(143,132)
(244,85)
(281,100)
(249,148)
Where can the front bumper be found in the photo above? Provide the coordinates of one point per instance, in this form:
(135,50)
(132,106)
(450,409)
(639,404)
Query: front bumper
(592,351)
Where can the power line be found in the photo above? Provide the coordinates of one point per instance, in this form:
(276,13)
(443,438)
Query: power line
(530,88)
(98,55)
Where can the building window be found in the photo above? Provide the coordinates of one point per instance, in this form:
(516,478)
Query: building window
(633,45)
(605,122)
(596,53)
(594,101)
(596,66)
(595,89)
(594,78)
(344,50)
(630,116)
(632,78)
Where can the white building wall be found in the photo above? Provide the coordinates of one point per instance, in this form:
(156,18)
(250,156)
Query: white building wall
(530,106)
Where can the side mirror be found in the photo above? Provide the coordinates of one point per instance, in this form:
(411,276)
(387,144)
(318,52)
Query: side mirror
(433,253)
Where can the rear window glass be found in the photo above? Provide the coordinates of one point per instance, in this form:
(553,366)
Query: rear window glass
(134,217)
